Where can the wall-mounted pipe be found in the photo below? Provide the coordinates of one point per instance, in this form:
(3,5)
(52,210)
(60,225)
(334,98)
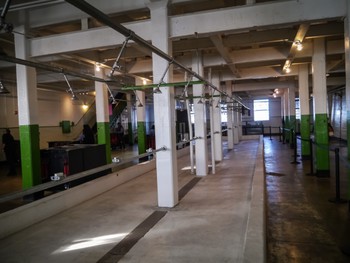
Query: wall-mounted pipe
(103,18)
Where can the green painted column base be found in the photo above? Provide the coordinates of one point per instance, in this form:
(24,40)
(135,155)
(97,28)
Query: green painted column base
(141,137)
(322,143)
(305,136)
(104,137)
(30,155)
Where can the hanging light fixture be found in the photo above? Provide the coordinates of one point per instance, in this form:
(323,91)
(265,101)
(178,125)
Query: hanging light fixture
(3,90)
(137,99)
(70,90)
(299,45)
(97,66)
(74,97)
(157,90)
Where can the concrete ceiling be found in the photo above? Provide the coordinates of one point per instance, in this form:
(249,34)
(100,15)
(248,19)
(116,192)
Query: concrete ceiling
(245,50)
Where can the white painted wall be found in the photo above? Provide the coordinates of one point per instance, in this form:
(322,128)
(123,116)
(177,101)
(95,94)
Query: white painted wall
(53,107)
(275,114)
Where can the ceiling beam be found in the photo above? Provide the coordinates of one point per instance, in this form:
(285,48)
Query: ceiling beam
(225,54)
(299,38)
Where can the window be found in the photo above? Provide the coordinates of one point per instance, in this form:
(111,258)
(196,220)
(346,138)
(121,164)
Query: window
(261,110)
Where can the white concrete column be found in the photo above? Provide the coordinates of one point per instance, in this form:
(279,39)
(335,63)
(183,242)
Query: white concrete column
(27,113)
(230,113)
(320,106)
(292,101)
(217,121)
(102,110)
(304,89)
(237,122)
(164,109)
(102,114)
(237,126)
(304,110)
(26,83)
(200,119)
(292,120)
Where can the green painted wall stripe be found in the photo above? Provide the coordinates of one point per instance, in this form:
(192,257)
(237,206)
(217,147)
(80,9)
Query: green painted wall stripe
(305,135)
(321,138)
(141,137)
(104,137)
(30,155)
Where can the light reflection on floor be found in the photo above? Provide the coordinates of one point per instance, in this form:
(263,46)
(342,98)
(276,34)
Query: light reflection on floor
(91,242)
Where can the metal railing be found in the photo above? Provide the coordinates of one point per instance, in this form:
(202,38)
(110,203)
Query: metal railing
(67,179)
(337,159)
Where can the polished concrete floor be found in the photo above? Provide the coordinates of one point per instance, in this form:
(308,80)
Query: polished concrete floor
(303,226)
(209,223)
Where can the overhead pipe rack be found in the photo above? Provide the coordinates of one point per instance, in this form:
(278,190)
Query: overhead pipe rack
(103,18)
(147,86)
(54,69)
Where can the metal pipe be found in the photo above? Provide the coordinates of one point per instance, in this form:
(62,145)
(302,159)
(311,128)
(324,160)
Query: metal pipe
(212,142)
(53,69)
(190,130)
(103,18)
(4,10)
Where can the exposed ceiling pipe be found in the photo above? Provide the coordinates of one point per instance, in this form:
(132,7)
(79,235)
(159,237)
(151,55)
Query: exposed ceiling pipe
(3,25)
(33,4)
(57,69)
(103,18)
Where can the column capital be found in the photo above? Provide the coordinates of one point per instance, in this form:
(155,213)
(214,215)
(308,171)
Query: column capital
(156,4)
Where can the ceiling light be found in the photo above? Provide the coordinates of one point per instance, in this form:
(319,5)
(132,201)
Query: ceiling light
(288,70)
(74,97)
(3,90)
(144,81)
(85,107)
(98,67)
(299,45)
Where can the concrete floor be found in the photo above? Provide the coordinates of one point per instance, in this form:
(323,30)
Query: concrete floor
(208,225)
(302,225)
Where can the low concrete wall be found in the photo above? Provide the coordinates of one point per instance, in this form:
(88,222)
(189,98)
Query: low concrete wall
(255,243)
(26,215)
(39,210)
